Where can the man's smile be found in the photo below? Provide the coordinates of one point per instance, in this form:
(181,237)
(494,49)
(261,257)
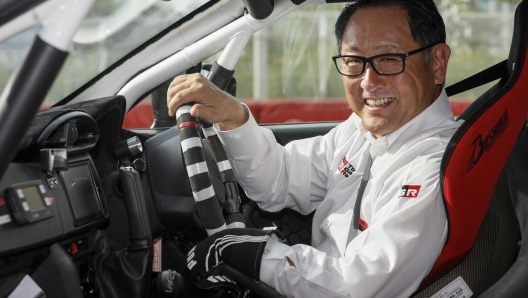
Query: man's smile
(379,102)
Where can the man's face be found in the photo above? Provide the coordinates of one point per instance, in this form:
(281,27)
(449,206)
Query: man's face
(383,30)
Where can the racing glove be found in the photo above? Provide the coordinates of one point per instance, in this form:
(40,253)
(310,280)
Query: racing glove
(241,249)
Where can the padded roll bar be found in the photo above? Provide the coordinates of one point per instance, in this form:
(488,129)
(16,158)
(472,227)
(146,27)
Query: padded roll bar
(259,9)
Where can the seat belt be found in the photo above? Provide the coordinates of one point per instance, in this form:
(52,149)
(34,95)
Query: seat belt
(489,74)
(354,224)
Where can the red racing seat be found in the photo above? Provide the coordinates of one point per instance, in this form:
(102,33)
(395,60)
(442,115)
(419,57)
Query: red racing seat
(484,231)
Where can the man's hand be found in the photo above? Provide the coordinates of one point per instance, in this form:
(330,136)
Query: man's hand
(211,104)
(241,249)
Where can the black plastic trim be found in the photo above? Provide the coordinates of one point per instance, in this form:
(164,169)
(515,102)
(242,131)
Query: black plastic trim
(136,208)
(260,288)
(58,275)
(77,115)
(66,212)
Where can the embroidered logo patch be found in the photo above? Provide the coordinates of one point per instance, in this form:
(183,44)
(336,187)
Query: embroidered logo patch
(410,191)
(345,168)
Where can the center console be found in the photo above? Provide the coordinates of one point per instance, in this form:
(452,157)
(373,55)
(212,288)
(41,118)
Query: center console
(50,217)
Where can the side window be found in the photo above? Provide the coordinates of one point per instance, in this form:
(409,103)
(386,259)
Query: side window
(151,111)
(140,116)
(286,73)
(479,33)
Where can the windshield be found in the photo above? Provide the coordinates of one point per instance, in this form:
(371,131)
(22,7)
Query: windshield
(112,29)
(286,74)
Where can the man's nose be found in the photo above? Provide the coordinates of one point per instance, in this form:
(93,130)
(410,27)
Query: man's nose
(371,79)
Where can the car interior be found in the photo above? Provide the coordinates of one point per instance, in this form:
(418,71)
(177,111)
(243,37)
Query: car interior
(89,208)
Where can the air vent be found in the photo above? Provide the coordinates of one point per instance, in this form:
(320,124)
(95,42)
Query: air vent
(75,131)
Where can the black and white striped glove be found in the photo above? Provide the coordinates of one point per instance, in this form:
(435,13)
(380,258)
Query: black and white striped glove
(241,249)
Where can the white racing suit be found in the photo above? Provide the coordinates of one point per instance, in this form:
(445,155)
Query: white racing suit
(402,212)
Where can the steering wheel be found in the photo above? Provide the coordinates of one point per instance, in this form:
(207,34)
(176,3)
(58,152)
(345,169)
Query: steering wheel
(216,213)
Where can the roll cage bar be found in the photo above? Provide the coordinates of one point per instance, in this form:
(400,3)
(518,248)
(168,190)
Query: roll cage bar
(61,19)
(28,86)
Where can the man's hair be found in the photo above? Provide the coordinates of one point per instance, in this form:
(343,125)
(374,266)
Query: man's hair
(426,23)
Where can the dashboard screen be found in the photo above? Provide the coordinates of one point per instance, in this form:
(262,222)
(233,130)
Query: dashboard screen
(80,187)
(33,198)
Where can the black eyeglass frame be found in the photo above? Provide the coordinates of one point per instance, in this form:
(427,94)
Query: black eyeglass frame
(369,60)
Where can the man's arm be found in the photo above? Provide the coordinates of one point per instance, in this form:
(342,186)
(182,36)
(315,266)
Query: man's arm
(210,103)
(280,177)
(293,176)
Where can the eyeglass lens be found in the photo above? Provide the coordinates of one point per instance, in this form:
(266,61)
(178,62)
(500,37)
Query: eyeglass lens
(386,64)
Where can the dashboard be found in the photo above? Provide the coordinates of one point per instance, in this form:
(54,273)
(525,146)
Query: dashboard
(40,208)
(65,214)
(66,220)
(75,208)
(57,197)
(53,199)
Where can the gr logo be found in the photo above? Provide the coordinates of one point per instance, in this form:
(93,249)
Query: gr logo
(410,191)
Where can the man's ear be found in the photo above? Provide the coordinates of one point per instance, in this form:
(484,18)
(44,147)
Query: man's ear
(440,56)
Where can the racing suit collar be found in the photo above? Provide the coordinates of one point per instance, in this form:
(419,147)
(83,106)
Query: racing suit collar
(437,112)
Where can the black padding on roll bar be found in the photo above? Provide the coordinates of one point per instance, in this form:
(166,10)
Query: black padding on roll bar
(220,75)
(259,9)
(34,79)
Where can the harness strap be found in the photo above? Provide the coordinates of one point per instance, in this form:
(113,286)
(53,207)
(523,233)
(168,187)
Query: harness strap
(354,225)
(489,74)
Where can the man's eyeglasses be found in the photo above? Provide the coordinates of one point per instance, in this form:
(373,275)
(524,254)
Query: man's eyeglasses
(384,64)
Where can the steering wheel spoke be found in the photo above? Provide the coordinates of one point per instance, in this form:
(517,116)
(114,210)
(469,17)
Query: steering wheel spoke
(208,203)
(198,172)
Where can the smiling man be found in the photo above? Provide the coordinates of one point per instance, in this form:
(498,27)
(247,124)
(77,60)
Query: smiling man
(380,222)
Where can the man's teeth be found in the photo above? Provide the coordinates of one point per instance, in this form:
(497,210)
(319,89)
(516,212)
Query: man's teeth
(380,101)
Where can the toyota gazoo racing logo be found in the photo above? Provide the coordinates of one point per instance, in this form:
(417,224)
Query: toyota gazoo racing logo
(483,144)
(345,168)
(410,191)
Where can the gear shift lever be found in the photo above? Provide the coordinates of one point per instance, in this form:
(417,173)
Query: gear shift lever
(127,273)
